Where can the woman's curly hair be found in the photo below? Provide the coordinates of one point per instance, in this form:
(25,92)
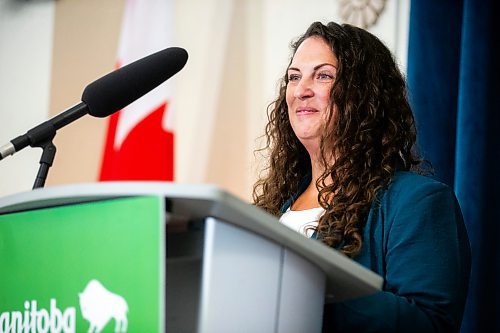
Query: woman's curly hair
(371,133)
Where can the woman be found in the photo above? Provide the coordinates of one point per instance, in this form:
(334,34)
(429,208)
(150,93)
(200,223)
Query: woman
(343,169)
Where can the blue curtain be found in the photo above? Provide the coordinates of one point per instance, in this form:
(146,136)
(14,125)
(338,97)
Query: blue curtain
(454,82)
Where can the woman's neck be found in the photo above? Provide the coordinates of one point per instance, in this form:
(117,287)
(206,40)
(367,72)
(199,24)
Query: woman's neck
(318,168)
(309,198)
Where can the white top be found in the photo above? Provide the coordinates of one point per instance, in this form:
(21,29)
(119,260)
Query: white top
(300,220)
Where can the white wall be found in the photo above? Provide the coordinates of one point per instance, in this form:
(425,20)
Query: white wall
(25,63)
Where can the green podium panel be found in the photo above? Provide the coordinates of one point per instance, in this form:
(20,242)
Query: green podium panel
(96,267)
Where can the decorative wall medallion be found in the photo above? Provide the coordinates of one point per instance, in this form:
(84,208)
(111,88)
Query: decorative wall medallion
(361,13)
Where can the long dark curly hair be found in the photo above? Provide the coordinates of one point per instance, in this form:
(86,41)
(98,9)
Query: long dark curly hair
(371,134)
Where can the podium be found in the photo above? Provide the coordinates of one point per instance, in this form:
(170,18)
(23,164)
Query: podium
(155,257)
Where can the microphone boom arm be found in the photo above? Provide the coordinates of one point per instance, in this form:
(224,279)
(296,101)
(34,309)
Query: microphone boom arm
(43,132)
(42,136)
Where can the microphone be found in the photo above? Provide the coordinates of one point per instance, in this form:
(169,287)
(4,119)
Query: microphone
(107,95)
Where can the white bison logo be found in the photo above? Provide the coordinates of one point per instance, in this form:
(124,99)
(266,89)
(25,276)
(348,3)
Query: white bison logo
(99,305)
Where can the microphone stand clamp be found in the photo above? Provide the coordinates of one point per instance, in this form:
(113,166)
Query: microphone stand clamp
(41,136)
(46,160)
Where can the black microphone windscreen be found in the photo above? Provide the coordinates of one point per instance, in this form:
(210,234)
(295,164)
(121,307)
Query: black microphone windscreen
(117,89)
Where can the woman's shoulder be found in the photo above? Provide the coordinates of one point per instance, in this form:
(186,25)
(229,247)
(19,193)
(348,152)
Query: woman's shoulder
(414,205)
(410,183)
(409,188)
(411,178)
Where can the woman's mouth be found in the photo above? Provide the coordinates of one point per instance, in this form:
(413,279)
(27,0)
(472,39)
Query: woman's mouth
(306,110)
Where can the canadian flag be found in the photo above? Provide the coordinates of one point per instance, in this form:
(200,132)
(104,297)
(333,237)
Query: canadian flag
(140,139)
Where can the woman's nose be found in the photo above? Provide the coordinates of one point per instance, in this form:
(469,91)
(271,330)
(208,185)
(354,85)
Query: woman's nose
(304,89)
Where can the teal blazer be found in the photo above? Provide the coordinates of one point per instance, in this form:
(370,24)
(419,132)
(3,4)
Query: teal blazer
(415,238)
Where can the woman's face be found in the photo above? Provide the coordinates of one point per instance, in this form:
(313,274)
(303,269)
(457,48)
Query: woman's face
(310,79)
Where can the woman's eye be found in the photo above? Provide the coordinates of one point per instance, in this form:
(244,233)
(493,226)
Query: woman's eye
(324,76)
(293,77)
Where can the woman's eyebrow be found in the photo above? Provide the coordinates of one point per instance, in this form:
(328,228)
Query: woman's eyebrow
(315,68)
(324,64)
